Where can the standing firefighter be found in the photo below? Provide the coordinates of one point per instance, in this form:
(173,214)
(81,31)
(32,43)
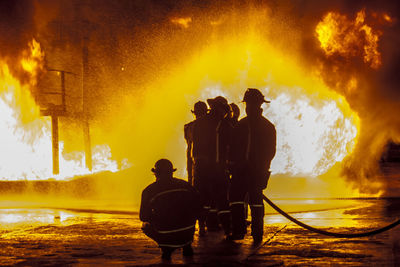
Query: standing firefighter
(253,148)
(200,110)
(210,151)
(169,210)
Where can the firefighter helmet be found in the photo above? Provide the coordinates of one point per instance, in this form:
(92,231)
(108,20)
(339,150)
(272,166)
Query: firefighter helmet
(219,103)
(219,100)
(254,96)
(200,108)
(163,166)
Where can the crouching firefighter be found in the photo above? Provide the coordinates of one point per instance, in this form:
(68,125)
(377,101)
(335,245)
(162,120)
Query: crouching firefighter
(169,210)
(252,149)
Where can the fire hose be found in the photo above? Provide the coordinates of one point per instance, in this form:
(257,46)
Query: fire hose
(323,232)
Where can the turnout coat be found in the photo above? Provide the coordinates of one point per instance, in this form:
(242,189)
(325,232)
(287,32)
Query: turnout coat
(171,206)
(252,150)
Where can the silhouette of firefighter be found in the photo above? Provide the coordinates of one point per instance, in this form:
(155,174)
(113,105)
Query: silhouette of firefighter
(210,153)
(252,149)
(169,210)
(234,119)
(200,110)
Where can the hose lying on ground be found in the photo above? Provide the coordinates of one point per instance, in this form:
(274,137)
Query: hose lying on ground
(319,231)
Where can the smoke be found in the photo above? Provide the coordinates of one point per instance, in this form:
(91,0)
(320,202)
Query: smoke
(16,29)
(372,92)
(16,26)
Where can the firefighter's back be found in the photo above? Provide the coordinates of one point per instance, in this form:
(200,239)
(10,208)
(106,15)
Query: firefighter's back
(174,204)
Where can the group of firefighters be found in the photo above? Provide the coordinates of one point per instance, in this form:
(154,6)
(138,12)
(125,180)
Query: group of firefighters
(228,162)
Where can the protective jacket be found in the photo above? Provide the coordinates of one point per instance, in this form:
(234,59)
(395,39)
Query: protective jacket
(210,139)
(171,206)
(252,149)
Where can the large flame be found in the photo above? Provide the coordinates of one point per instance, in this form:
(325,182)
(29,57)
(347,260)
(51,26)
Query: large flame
(349,38)
(316,127)
(26,136)
(313,134)
(347,45)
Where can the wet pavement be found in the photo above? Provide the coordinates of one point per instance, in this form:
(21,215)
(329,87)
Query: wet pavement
(43,236)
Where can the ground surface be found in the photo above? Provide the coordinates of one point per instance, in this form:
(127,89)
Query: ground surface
(52,237)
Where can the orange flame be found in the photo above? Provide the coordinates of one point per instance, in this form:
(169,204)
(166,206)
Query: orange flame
(183,22)
(339,35)
(32,61)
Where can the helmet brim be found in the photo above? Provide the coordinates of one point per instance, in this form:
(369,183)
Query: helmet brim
(155,170)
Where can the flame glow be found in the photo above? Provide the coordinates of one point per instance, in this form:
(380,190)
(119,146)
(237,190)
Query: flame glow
(313,134)
(311,138)
(387,18)
(183,22)
(339,35)
(32,61)
(26,147)
(316,127)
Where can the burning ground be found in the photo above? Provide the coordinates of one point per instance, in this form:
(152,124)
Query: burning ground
(330,71)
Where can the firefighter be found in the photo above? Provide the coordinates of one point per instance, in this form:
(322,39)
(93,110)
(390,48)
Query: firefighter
(200,110)
(234,119)
(253,148)
(169,210)
(210,143)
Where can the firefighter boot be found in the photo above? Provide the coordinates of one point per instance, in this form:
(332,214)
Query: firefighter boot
(202,227)
(238,221)
(257,222)
(224,217)
(187,251)
(212,220)
(166,253)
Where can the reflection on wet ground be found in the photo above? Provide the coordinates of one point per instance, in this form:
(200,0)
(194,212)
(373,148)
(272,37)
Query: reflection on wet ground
(332,212)
(51,236)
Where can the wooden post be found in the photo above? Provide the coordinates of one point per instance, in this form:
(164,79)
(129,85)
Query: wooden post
(54,130)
